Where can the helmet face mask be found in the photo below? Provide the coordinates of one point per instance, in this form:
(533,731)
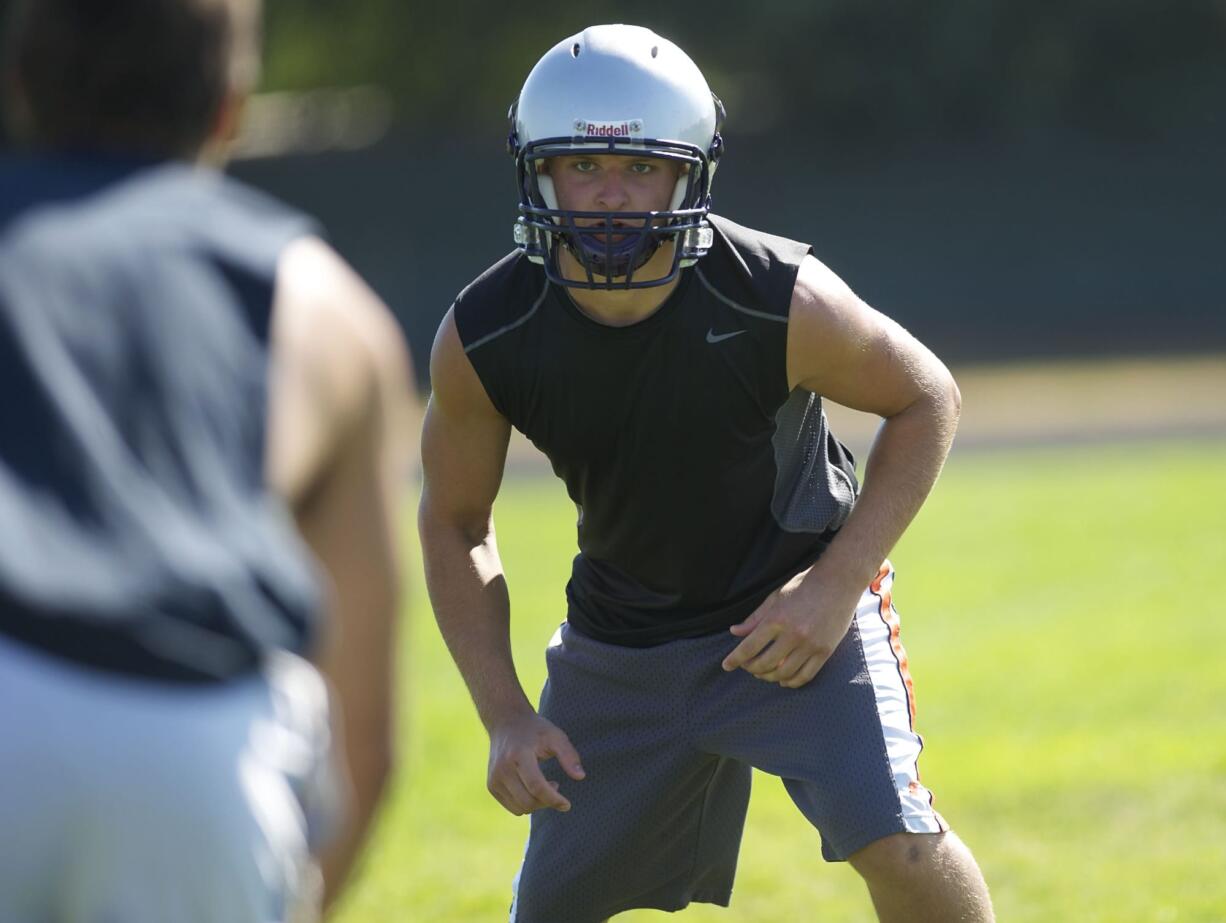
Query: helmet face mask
(611,246)
(652,102)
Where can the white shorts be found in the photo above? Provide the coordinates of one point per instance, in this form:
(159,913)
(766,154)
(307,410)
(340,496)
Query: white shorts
(146,802)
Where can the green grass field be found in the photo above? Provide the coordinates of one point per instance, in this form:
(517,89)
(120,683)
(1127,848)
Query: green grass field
(1062,611)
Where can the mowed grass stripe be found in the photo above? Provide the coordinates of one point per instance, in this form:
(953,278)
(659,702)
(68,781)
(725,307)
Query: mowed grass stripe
(1062,613)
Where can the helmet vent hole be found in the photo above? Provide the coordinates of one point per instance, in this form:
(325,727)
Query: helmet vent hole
(655,50)
(574,50)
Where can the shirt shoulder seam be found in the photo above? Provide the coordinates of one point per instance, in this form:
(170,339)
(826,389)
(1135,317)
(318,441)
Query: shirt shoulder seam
(752,312)
(507,328)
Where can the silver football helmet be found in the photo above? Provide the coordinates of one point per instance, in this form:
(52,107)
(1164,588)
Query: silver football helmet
(615,89)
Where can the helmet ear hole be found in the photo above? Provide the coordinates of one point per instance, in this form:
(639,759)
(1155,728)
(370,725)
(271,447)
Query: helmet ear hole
(512,132)
(717,138)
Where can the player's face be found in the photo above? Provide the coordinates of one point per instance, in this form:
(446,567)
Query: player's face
(612,183)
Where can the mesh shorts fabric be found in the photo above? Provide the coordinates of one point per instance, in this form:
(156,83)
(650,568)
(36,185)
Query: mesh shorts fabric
(668,740)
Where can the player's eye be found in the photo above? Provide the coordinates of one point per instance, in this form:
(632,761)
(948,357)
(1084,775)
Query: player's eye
(642,167)
(585,166)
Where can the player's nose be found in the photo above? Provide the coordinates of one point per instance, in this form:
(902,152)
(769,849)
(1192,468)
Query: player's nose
(612,195)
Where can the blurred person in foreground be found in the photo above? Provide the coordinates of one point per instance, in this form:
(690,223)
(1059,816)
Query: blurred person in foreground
(729,607)
(181,358)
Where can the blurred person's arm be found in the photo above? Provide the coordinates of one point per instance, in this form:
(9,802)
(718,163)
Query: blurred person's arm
(340,424)
(464,447)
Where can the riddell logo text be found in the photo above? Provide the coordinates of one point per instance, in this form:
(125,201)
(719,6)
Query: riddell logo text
(612,129)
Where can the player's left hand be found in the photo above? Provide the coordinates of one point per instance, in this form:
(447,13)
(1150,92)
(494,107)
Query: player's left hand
(792,634)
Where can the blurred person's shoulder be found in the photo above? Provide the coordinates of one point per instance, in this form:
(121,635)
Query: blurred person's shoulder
(75,205)
(333,327)
(324,295)
(341,372)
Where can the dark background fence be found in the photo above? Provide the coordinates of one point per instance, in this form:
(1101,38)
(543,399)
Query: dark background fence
(984,253)
(1006,177)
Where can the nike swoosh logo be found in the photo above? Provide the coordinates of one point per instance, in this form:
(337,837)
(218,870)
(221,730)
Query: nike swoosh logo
(713,337)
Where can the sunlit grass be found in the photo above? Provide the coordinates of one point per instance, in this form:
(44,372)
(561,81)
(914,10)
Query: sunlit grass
(1061,609)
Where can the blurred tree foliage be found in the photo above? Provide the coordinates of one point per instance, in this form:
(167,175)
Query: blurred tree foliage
(858,72)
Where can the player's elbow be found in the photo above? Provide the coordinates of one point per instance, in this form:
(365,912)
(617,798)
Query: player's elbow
(936,390)
(936,402)
(951,396)
(441,526)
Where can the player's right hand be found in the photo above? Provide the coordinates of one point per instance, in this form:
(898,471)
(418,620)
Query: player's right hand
(517,748)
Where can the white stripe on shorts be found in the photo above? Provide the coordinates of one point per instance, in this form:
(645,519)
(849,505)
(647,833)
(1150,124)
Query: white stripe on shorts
(878,623)
(515,886)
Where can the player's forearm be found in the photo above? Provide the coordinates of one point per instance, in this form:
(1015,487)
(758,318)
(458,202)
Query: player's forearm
(902,467)
(471,605)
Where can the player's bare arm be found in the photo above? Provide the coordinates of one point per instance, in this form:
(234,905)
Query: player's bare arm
(464,445)
(340,441)
(841,349)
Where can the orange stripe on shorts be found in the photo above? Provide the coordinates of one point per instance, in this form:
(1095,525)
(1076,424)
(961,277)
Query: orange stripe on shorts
(889,616)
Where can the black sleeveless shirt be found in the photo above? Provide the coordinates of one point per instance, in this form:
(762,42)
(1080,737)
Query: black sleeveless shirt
(702,483)
(136,531)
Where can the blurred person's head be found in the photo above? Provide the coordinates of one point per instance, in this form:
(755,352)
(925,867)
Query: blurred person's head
(159,78)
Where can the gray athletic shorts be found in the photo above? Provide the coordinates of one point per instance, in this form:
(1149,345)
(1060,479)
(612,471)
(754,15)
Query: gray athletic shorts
(130,801)
(668,740)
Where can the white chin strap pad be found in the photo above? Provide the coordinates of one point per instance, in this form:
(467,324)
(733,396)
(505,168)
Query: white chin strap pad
(544,182)
(683,182)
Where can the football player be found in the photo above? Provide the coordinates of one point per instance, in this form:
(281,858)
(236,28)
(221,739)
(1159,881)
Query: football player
(731,603)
